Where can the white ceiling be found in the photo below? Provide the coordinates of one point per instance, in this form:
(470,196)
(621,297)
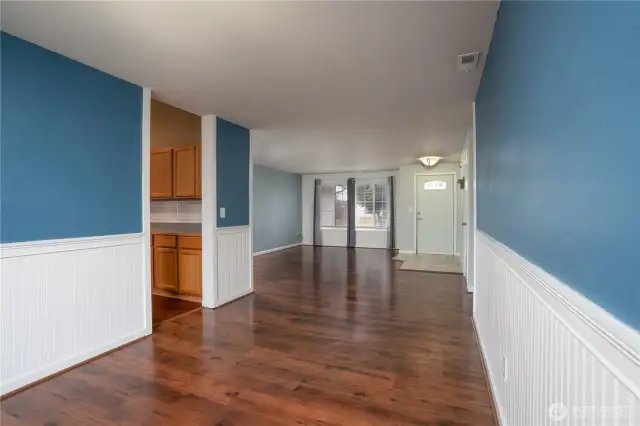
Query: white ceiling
(329,86)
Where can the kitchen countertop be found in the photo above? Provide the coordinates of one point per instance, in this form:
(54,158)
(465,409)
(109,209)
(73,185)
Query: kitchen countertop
(176,228)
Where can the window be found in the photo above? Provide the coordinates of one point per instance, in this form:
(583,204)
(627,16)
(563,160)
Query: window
(333,205)
(435,184)
(372,208)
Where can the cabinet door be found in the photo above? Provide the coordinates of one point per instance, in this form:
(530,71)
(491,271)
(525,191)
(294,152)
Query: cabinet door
(190,272)
(161,173)
(184,171)
(198,172)
(165,265)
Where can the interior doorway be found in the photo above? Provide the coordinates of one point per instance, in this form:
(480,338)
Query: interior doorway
(435,199)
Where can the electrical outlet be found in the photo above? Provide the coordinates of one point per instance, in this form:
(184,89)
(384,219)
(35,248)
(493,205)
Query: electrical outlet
(223,212)
(505,368)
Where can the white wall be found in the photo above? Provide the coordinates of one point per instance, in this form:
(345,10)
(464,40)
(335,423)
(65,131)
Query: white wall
(546,347)
(404,202)
(338,237)
(405,189)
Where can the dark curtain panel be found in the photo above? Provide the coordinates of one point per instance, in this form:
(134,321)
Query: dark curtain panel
(317,231)
(391,234)
(351,212)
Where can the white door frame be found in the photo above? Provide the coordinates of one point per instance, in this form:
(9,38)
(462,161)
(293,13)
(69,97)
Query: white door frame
(473,216)
(415,208)
(146,209)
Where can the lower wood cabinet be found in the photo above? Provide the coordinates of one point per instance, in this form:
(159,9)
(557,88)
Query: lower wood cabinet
(177,263)
(190,272)
(165,264)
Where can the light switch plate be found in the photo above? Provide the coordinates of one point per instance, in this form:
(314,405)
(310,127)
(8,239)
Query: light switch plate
(223,212)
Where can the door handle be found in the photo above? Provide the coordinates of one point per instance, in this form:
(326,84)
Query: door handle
(464,223)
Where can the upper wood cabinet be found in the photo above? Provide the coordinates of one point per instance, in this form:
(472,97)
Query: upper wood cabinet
(184,172)
(161,173)
(175,172)
(198,172)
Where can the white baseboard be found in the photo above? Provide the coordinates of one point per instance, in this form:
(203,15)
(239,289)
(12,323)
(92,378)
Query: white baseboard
(406,252)
(64,301)
(546,346)
(260,253)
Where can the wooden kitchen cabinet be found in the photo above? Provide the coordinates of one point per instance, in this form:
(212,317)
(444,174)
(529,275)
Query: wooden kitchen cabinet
(190,265)
(165,263)
(177,263)
(190,272)
(161,185)
(184,172)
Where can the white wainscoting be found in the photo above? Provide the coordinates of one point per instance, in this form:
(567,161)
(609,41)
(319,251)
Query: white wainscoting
(65,301)
(546,347)
(234,261)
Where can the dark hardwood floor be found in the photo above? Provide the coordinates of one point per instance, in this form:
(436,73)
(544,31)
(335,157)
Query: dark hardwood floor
(166,308)
(330,337)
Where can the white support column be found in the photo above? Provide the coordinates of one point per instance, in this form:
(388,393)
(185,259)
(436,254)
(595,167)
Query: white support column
(251,209)
(209,213)
(146,207)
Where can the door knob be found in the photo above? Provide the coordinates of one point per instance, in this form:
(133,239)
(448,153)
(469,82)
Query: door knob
(464,223)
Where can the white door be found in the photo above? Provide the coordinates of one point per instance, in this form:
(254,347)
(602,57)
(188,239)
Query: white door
(435,214)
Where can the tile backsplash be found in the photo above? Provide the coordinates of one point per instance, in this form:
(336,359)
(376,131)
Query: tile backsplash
(176,211)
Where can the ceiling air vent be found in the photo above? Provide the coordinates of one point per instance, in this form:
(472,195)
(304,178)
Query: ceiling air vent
(468,61)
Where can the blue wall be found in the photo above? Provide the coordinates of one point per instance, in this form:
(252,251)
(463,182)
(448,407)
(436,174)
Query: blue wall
(232,173)
(70,160)
(558,141)
(277,201)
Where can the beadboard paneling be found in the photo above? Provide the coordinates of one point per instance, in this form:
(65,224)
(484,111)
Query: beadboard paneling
(64,301)
(234,263)
(554,358)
